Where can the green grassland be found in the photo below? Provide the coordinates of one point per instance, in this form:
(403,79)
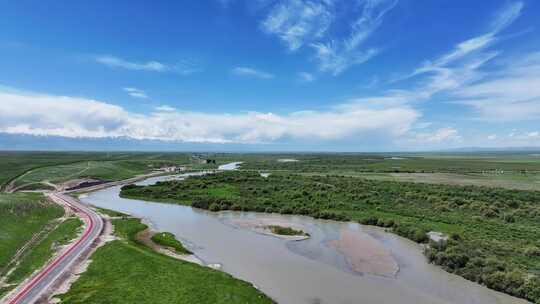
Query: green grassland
(42,252)
(495,232)
(102,170)
(23,215)
(13,164)
(29,168)
(508,180)
(428,162)
(519,171)
(168,239)
(125,271)
(511,170)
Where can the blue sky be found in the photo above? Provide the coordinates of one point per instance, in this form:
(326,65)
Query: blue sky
(366,75)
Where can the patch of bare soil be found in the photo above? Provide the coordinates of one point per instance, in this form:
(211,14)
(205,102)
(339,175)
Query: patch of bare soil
(365,254)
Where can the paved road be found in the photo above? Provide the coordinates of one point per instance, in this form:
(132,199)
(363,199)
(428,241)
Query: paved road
(39,284)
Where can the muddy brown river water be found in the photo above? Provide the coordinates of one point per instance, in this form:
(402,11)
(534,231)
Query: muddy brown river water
(308,271)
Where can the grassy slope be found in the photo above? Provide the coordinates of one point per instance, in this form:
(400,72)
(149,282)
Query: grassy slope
(13,164)
(23,215)
(168,239)
(497,231)
(39,254)
(124,271)
(110,166)
(104,170)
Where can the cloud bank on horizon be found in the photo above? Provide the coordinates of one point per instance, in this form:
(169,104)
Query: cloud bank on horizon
(322,72)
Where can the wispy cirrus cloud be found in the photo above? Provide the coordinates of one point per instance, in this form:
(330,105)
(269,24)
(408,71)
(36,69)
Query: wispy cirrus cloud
(251,72)
(301,23)
(513,94)
(43,114)
(116,62)
(505,17)
(183,67)
(306,77)
(298,22)
(508,92)
(458,68)
(134,92)
(334,59)
(338,55)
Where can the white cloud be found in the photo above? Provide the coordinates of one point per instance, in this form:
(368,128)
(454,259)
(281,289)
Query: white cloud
(507,15)
(246,71)
(521,138)
(39,114)
(165,108)
(461,65)
(492,137)
(502,19)
(137,93)
(335,60)
(116,62)
(297,21)
(534,134)
(438,136)
(306,77)
(459,73)
(307,23)
(512,94)
(338,55)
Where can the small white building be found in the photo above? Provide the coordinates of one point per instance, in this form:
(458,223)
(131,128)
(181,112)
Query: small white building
(438,238)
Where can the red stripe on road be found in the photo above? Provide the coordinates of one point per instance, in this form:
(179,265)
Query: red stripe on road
(59,259)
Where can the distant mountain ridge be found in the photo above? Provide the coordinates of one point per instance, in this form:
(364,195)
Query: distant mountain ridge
(20,142)
(493,149)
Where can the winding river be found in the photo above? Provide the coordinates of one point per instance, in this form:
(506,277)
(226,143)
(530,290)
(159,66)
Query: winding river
(307,271)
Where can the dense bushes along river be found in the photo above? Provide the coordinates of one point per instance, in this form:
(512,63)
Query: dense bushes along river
(495,233)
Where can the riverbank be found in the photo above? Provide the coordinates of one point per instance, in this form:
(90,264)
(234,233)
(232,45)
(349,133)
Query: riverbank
(490,242)
(126,270)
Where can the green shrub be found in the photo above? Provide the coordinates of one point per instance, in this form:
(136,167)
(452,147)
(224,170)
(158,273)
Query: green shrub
(168,239)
